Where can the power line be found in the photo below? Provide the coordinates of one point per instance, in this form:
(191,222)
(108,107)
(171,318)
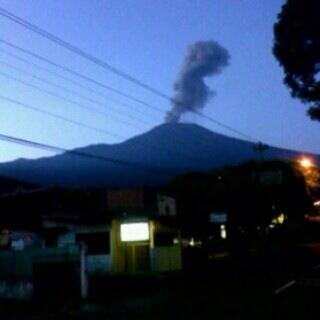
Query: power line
(56,116)
(45,112)
(99,130)
(75,93)
(78,51)
(75,83)
(65,119)
(103,64)
(66,90)
(99,62)
(74,122)
(81,75)
(219,123)
(38,77)
(51,93)
(77,123)
(52,148)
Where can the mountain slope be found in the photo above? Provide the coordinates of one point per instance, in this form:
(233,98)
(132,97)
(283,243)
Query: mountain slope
(173,148)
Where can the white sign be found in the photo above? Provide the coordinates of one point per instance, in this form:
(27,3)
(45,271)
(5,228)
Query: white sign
(136,231)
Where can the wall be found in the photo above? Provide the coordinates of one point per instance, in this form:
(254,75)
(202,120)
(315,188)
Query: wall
(166,258)
(16,289)
(18,270)
(16,264)
(98,264)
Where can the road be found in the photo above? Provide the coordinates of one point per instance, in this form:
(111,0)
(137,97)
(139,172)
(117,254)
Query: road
(282,283)
(300,297)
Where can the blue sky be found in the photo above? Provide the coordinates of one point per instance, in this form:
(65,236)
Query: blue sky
(147,39)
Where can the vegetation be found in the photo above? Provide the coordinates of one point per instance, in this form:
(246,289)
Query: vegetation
(297,48)
(252,194)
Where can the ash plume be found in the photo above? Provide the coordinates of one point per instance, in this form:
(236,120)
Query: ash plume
(203,59)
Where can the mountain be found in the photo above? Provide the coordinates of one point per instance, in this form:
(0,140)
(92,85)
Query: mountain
(166,151)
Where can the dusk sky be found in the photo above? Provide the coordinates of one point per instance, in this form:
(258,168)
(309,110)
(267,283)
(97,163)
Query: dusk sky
(148,40)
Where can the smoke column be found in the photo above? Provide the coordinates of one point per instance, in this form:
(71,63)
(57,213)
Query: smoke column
(203,59)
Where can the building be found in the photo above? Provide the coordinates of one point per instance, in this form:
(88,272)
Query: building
(144,234)
(95,237)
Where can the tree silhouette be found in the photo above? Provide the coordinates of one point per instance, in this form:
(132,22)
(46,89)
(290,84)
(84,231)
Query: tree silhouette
(297,48)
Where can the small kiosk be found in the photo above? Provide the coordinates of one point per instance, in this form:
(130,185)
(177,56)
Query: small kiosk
(144,242)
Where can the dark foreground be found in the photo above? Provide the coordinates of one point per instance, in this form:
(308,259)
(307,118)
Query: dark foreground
(276,284)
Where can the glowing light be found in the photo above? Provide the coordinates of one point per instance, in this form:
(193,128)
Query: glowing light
(317,203)
(223,232)
(175,241)
(195,243)
(138,231)
(279,219)
(306,163)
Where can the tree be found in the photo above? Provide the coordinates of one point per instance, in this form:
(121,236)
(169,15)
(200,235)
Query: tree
(242,192)
(297,48)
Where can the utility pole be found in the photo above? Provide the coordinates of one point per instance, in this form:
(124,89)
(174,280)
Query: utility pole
(261,148)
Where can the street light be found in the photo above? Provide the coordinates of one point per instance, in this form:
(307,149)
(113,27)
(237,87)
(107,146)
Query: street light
(306,163)
(309,169)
